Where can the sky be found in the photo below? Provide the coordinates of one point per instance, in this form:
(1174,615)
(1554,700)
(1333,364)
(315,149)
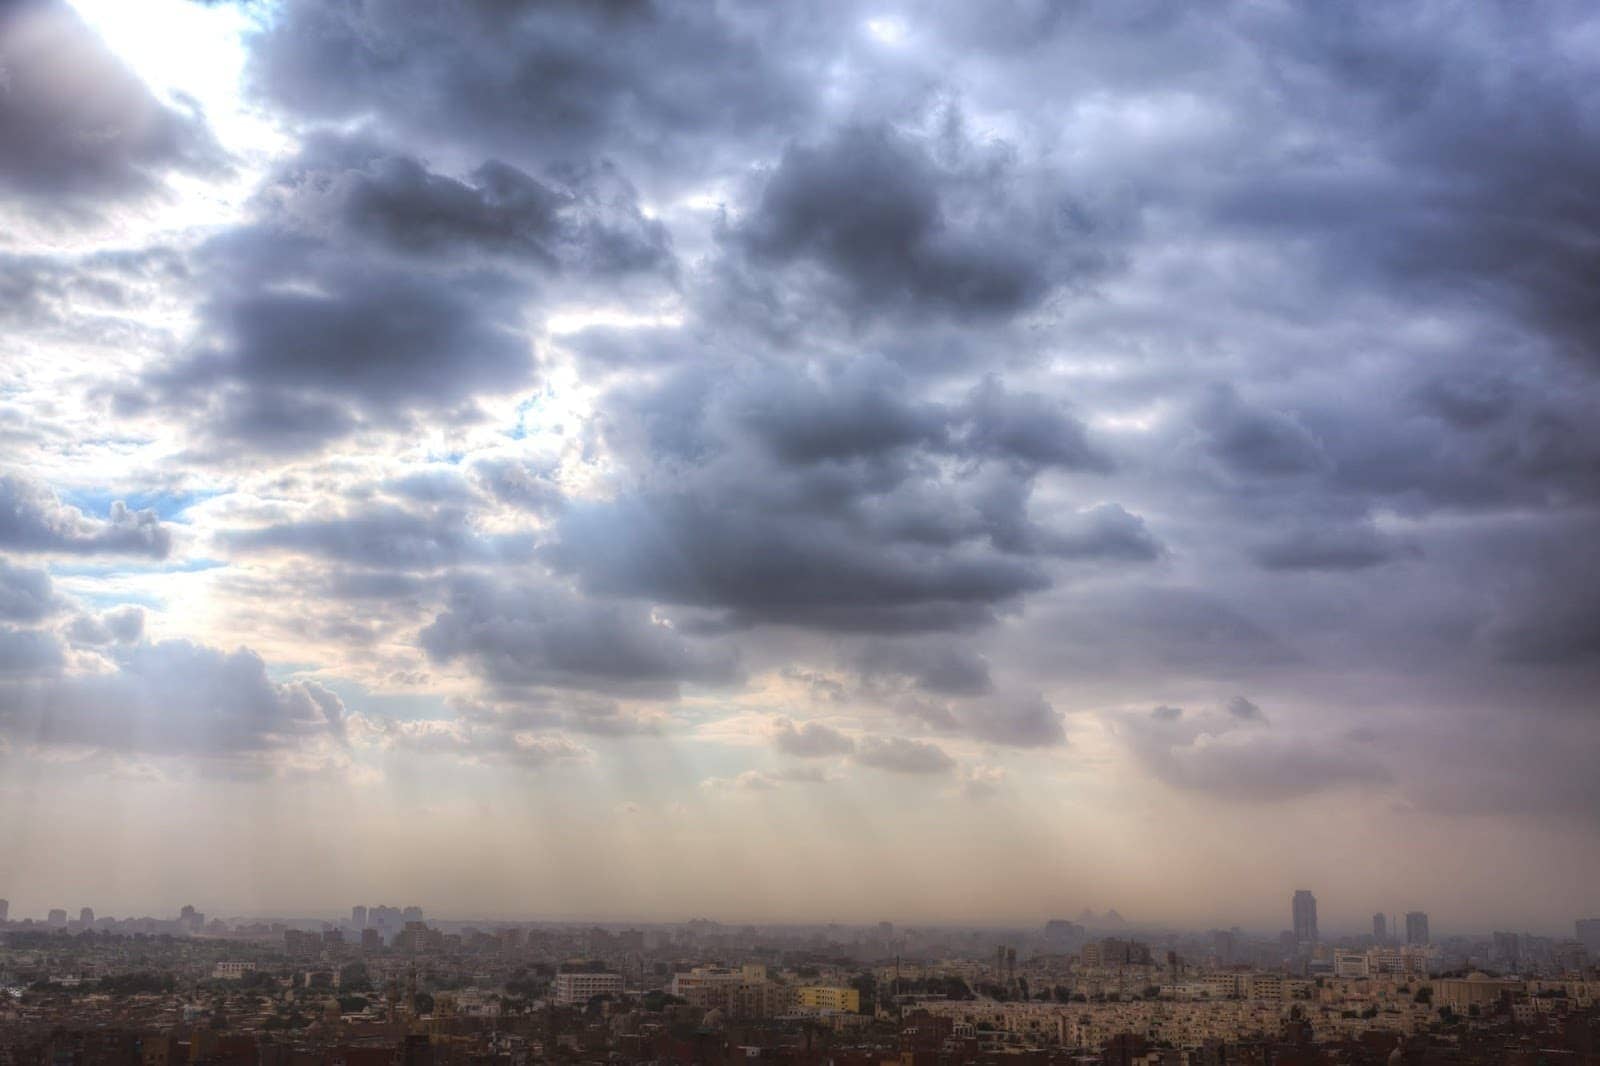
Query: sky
(820,461)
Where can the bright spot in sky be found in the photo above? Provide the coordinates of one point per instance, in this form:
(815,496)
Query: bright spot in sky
(888,30)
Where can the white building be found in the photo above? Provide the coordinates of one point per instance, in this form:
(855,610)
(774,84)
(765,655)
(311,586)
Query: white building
(576,989)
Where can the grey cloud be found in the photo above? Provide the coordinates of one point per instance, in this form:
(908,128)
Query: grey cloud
(1243,709)
(473,740)
(943,667)
(529,485)
(820,499)
(586,220)
(173,698)
(1255,441)
(562,81)
(810,740)
(370,291)
(77,129)
(32,519)
(124,625)
(903,756)
(26,594)
(1330,548)
(529,634)
(385,536)
(1028,428)
(1017,720)
(1239,758)
(892,229)
(27,653)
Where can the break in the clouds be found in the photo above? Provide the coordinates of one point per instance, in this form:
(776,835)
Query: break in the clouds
(1157,424)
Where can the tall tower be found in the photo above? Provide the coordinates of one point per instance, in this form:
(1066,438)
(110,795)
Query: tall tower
(358,916)
(1380,928)
(1416,927)
(1305,917)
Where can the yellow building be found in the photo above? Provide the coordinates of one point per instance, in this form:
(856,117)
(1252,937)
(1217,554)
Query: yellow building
(826,997)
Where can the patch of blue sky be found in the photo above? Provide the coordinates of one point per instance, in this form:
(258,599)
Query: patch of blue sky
(132,567)
(168,506)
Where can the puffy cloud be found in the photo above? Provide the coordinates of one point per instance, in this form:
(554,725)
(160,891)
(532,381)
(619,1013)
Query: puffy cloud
(809,740)
(530,634)
(172,698)
(901,755)
(124,625)
(893,226)
(1236,756)
(33,519)
(385,536)
(26,594)
(77,129)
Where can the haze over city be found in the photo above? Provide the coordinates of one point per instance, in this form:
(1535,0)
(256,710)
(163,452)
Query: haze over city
(952,464)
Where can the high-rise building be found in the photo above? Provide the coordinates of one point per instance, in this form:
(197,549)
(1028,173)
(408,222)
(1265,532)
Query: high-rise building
(358,917)
(57,917)
(5,911)
(1380,928)
(1416,927)
(1588,930)
(86,917)
(1305,917)
(1507,949)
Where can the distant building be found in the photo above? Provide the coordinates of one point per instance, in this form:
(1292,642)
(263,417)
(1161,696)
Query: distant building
(1507,949)
(1588,930)
(1304,906)
(86,917)
(1380,927)
(1351,964)
(1416,928)
(57,918)
(233,971)
(371,939)
(828,998)
(5,911)
(576,989)
(358,917)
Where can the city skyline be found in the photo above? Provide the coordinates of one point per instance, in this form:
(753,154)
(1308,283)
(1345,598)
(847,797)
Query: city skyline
(945,461)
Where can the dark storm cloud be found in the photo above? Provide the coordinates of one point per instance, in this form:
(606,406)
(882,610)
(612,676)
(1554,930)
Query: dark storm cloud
(373,292)
(530,635)
(830,498)
(78,130)
(32,519)
(26,594)
(897,225)
(1330,548)
(172,698)
(1480,123)
(552,81)
(584,219)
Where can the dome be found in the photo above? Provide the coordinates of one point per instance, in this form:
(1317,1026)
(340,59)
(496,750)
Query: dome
(1477,975)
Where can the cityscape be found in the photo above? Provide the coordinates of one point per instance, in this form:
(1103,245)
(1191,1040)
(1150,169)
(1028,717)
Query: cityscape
(388,984)
(810,532)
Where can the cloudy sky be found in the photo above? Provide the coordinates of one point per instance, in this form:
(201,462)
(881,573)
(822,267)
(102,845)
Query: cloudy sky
(850,460)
